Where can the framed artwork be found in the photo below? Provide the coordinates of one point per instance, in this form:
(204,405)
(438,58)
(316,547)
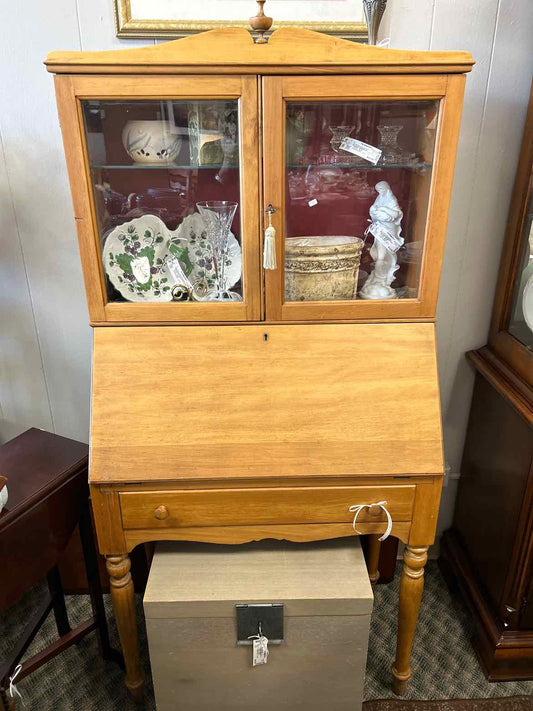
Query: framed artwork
(178,18)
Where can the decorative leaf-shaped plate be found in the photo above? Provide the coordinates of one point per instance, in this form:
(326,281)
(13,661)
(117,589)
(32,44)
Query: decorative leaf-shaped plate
(135,258)
(144,260)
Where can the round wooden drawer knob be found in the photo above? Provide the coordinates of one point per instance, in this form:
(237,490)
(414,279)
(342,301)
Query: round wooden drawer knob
(161,513)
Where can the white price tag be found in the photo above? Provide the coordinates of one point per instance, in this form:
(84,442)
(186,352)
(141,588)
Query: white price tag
(363,150)
(260,647)
(390,241)
(313,202)
(174,267)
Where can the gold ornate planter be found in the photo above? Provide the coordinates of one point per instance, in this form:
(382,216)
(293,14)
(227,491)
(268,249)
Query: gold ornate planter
(322,268)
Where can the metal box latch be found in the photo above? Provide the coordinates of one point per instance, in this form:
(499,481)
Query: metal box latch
(269,616)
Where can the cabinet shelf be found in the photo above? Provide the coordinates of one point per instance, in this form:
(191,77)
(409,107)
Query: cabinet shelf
(363,166)
(166,166)
(293,166)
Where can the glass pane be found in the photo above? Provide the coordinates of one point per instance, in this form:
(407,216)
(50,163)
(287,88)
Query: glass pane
(358,177)
(165,178)
(521,321)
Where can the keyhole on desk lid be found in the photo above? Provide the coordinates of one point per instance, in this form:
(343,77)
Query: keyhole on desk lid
(265,336)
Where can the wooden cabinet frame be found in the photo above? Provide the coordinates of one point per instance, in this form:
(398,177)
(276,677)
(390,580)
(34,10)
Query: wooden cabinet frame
(71,90)
(266,188)
(277,91)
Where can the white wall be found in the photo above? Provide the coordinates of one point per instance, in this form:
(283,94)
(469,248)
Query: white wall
(45,340)
(44,337)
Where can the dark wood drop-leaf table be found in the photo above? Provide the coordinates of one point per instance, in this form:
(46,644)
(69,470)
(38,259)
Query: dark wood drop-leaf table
(48,497)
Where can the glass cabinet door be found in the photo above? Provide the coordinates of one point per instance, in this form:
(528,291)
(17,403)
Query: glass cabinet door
(354,196)
(521,312)
(170,208)
(511,332)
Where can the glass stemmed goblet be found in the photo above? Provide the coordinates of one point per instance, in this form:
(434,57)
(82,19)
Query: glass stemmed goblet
(218,216)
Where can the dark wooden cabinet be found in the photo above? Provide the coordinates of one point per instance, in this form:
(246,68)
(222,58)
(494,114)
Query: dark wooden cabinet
(488,553)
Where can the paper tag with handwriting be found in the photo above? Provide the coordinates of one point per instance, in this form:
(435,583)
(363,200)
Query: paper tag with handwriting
(390,241)
(174,267)
(260,655)
(363,150)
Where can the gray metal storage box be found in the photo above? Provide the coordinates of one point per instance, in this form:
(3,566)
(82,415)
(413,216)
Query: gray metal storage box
(190,608)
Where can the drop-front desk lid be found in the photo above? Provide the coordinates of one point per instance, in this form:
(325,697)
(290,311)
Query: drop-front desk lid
(263,401)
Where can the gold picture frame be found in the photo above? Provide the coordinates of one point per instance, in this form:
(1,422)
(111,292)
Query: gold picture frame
(128,27)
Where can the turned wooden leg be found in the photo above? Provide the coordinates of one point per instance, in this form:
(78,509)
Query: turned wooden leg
(411,587)
(372,564)
(122,595)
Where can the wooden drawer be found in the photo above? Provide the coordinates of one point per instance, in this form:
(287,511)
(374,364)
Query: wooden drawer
(239,507)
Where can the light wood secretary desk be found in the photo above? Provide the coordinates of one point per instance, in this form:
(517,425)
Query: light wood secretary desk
(231,402)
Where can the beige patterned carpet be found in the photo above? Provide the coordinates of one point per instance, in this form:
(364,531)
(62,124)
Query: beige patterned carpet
(444,664)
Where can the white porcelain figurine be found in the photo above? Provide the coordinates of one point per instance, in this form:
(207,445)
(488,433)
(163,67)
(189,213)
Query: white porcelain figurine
(385,226)
(3,492)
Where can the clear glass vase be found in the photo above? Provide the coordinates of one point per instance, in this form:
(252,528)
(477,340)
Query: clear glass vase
(339,134)
(373,10)
(218,216)
(391,151)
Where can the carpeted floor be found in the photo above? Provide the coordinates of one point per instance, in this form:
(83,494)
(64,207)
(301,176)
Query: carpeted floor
(444,664)
(513,703)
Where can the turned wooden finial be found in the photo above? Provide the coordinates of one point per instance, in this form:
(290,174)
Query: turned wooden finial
(261,23)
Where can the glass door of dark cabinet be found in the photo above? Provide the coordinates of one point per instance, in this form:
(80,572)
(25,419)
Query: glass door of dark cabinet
(511,331)
(173,184)
(521,311)
(355,190)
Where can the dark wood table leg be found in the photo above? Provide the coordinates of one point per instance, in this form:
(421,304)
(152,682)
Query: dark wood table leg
(6,702)
(28,635)
(58,599)
(90,556)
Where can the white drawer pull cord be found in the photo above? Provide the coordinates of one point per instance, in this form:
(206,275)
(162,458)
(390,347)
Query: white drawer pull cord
(383,505)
